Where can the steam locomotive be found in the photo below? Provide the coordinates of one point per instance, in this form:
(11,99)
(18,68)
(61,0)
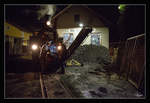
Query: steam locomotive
(51,62)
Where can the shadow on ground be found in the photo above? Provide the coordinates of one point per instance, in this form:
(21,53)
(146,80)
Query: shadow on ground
(20,65)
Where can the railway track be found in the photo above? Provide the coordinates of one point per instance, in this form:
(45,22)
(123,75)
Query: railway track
(43,90)
(54,88)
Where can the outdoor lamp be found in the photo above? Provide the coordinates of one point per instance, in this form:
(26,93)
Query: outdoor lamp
(81,25)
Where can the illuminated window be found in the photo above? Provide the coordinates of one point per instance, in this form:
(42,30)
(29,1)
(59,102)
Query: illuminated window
(68,39)
(95,39)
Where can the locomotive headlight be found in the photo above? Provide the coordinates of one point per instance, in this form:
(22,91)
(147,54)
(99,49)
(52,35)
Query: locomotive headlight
(34,46)
(59,47)
(48,23)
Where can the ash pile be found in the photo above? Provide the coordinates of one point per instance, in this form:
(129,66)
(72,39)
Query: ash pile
(92,54)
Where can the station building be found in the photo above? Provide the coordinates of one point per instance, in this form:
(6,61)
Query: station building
(70,20)
(16,40)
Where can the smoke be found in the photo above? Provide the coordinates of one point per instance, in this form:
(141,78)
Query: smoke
(46,10)
(29,17)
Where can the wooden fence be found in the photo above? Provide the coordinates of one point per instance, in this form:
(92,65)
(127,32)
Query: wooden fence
(131,60)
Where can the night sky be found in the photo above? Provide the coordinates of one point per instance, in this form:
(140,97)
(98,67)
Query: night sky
(133,20)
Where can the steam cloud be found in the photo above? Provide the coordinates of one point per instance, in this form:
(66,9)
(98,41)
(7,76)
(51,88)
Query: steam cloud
(46,10)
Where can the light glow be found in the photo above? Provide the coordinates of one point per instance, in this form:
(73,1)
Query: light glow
(122,7)
(34,46)
(48,23)
(59,47)
(81,25)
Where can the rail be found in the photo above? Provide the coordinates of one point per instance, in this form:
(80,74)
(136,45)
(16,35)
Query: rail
(48,88)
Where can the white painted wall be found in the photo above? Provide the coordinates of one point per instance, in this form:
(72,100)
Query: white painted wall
(104,35)
(66,24)
(104,31)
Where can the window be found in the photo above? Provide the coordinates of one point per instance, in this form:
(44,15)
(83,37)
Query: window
(95,39)
(68,39)
(77,18)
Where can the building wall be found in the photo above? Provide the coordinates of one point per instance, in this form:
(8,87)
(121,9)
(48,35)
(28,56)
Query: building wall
(104,35)
(13,31)
(104,32)
(15,39)
(66,24)
(66,20)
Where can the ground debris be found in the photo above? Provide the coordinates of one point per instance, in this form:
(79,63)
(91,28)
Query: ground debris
(92,54)
(95,94)
(58,93)
(102,89)
(92,81)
